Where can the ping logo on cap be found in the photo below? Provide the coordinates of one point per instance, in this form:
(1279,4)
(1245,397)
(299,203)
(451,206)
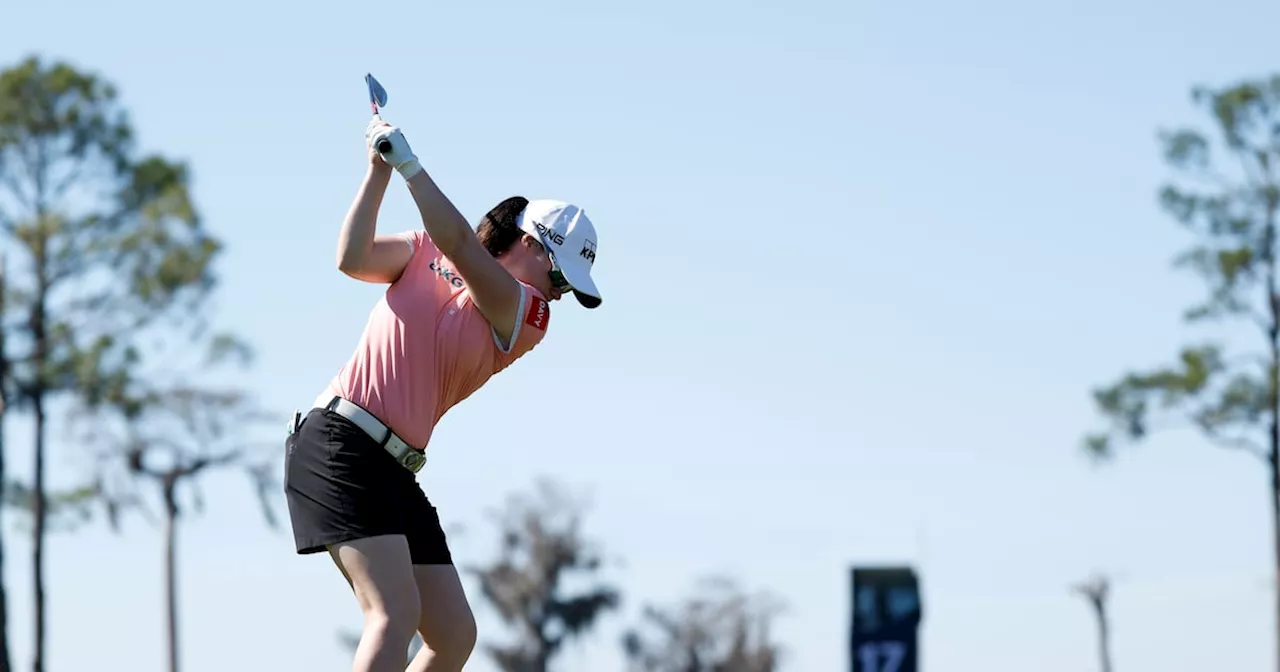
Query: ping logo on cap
(553,236)
(539,313)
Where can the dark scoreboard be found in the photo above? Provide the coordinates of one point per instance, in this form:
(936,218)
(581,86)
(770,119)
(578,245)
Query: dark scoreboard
(884,634)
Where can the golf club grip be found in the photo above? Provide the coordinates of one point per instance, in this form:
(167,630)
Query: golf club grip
(384,146)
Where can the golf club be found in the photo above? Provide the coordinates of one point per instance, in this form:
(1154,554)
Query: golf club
(377,98)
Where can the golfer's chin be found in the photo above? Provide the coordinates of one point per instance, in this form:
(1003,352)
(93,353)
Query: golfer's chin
(541,282)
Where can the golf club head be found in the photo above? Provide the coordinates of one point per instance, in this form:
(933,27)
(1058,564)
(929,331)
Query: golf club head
(377,96)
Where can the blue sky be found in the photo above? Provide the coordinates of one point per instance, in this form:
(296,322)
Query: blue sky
(862,264)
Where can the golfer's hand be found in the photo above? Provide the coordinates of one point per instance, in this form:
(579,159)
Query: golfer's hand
(400,156)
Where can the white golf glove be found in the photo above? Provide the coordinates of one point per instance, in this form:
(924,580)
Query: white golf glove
(400,156)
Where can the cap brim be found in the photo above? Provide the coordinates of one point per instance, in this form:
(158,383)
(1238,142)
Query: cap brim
(584,288)
(587,300)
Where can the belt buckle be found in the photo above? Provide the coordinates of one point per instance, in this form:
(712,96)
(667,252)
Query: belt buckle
(414,461)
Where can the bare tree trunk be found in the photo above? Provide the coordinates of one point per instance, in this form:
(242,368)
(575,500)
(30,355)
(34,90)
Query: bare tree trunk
(1096,592)
(39,513)
(1273,456)
(37,537)
(170,573)
(1273,467)
(1273,401)
(1274,459)
(1271,189)
(40,354)
(1104,638)
(4,400)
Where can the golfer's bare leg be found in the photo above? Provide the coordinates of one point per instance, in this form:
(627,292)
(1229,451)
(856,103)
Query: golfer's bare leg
(447,625)
(381,575)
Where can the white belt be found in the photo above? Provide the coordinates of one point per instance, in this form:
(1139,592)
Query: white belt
(408,457)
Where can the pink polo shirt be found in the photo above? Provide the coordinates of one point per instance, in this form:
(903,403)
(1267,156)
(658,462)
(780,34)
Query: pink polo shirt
(426,346)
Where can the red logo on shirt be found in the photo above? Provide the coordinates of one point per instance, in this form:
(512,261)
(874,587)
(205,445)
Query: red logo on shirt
(539,313)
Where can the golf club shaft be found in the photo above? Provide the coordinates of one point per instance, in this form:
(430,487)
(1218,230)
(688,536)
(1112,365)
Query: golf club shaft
(384,145)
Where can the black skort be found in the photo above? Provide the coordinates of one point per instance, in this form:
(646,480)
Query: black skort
(341,486)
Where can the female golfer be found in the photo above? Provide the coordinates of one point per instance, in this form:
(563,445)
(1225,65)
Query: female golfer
(462,305)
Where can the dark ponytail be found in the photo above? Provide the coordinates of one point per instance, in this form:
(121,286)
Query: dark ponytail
(498,230)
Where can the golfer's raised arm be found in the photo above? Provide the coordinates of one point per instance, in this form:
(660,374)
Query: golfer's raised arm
(362,254)
(494,291)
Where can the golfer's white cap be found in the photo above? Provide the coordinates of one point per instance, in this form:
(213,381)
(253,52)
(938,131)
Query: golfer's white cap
(569,236)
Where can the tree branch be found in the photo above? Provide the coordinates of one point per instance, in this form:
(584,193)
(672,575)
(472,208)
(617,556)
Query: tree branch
(199,464)
(60,188)
(1240,443)
(1263,323)
(19,194)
